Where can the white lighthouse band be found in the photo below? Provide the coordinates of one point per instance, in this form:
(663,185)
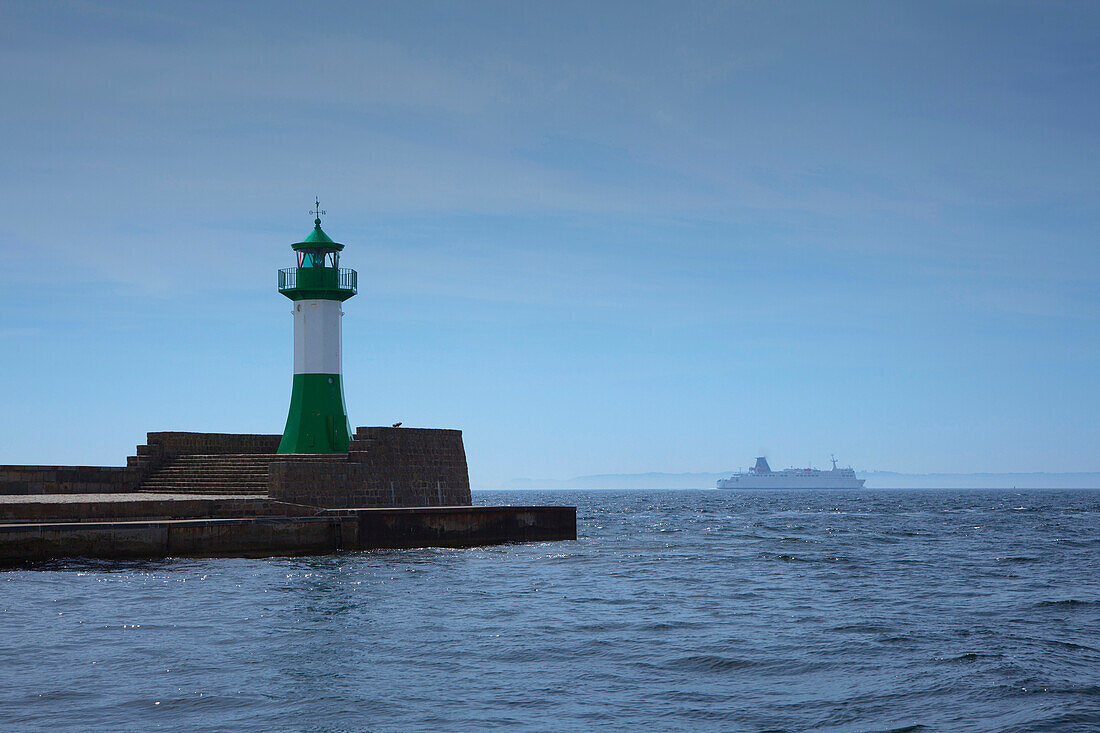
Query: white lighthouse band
(317,337)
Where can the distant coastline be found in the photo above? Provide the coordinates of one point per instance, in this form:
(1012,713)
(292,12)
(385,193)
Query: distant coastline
(875,480)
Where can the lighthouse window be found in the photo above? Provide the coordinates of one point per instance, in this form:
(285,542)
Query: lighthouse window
(313,259)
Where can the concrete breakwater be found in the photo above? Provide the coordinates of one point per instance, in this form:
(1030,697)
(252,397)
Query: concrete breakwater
(328,531)
(211,494)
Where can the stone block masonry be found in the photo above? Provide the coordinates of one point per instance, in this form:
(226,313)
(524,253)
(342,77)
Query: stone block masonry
(386,467)
(66,480)
(172,444)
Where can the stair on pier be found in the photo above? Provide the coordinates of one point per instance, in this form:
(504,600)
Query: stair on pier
(227,474)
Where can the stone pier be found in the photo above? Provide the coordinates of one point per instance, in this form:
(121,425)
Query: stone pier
(215,494)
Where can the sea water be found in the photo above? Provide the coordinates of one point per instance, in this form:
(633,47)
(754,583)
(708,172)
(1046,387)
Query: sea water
(677,610)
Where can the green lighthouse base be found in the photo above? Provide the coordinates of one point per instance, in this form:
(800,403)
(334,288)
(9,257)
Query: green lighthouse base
(318,420)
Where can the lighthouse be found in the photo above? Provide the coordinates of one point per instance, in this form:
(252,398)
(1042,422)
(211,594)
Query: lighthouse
(318,419)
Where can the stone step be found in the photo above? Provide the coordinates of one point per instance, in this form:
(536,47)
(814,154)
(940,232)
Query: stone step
(211,474)
(261,467)
(201,479)
(207,479)
(182,485)
(193,465)
(258,468)
(259,456)
(224,461)
(232,468)
(215,462)
(229,457)
(200,476)
(204,482)
(205,492)
(232,461)
(229,474)
(207,489)
(224,455)
(212,465)
(199,482)
(225,473)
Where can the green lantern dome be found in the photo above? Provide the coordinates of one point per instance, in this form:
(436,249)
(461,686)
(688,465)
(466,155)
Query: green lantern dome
(317,239)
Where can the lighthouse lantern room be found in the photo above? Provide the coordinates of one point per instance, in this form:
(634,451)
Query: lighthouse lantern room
(318,419)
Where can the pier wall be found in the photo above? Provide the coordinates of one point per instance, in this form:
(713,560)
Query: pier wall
(386,467)
(173,444)
(329,531)
(67,480)
(135,507)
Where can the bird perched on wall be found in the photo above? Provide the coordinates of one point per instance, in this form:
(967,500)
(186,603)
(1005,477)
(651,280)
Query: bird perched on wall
(397,424)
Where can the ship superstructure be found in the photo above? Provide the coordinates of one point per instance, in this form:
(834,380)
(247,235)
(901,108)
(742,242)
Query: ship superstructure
(761,476)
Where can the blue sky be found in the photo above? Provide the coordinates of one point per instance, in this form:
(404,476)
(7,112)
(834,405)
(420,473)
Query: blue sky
(615,237)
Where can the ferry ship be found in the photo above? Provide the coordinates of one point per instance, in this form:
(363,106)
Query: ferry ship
(761,476)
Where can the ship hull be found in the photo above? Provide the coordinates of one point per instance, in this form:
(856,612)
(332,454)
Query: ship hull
(760,482)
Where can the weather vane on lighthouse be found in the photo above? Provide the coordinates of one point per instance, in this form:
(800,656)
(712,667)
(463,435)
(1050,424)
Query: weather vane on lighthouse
(317,210)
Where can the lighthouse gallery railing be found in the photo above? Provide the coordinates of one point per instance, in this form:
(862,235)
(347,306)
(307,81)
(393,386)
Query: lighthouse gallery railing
(347,279)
